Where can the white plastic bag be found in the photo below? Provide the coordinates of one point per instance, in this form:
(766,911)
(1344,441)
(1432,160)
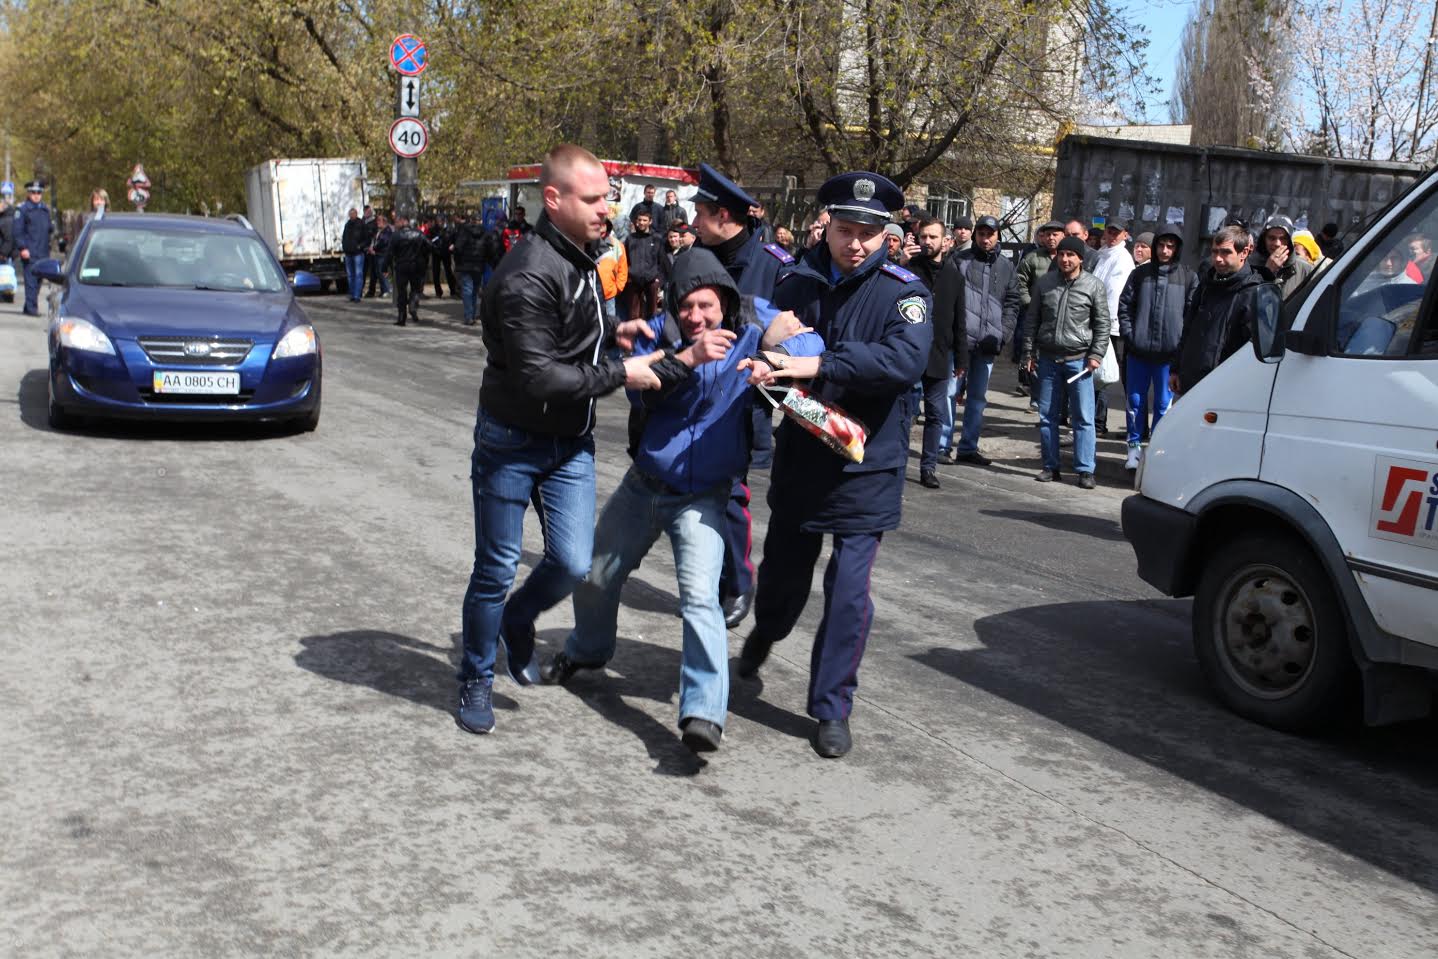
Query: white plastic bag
(7,278)
(1107,372)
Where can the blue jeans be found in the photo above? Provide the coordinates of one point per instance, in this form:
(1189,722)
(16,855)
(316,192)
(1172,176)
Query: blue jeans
(354,274)
(508,467)
(469,293)
(1144,376)
(638,512)
(978,373)
(1052,390)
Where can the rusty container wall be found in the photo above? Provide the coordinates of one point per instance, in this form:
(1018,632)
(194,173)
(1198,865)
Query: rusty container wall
(1152,184)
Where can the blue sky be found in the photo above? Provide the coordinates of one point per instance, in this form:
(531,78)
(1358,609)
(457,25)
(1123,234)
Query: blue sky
(1164,20)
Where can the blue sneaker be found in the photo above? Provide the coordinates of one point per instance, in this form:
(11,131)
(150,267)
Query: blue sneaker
(476,707)
(519,659)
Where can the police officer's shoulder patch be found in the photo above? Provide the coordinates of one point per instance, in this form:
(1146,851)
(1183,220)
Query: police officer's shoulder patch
(778,253)
(899,273)
(912,309)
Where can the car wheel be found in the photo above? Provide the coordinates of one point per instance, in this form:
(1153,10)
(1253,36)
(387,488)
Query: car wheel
(1271,636)
(7,297)
(311,420)
(58,418)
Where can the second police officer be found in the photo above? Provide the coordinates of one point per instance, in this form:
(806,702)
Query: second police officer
(721,223)
(32,241)
(874,317)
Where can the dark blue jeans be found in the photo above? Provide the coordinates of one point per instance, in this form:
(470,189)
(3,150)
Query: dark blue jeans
(507,468)
(469,284)
(354,274)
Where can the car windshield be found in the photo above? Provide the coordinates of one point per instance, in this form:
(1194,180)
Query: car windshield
(179,258)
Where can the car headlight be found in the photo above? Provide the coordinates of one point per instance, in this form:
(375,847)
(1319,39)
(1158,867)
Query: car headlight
(297,342)
(84,335)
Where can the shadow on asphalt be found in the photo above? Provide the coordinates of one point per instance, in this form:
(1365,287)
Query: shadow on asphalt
(33,397)
(1366,792)
(399,666)
(1096,526)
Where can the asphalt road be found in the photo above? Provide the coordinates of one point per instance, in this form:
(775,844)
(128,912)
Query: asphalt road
(226,662)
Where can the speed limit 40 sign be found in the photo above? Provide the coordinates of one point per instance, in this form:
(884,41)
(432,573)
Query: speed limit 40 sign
(408,137)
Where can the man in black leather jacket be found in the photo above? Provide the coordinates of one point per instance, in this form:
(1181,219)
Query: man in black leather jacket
(545,335)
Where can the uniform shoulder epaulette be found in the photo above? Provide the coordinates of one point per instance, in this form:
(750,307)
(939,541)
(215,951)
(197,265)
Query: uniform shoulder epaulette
(779,253)
(898,272)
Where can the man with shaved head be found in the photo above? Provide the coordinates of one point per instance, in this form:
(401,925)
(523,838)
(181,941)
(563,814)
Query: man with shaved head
(545,333)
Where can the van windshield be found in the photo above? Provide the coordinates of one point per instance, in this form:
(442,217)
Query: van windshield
(184,259)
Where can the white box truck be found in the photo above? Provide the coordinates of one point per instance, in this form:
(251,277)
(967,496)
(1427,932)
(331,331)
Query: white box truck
(1293,492)
(299,206)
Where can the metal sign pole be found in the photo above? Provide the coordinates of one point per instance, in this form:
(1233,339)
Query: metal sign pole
(409,57)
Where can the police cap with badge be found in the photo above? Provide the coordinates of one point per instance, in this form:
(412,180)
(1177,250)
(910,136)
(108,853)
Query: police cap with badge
(34,186)
(715,187)
(861,197)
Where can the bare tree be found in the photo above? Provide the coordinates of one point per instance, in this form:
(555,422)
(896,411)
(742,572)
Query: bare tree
(1233,75)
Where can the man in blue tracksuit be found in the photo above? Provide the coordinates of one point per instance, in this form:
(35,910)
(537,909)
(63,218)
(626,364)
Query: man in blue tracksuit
(874,318)
(694,441)
(722,226)
(32,240)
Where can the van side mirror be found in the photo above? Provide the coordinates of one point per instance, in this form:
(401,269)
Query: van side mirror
(50,270)
(1268,303)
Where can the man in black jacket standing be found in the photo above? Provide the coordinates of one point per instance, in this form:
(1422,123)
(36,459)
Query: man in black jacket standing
(646,268)
(1229,303)
(467,244)
(945,281)
(409,252)
(545,334)
(354,239)
(992,303)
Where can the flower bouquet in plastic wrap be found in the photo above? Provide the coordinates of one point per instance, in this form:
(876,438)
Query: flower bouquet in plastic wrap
(841,432)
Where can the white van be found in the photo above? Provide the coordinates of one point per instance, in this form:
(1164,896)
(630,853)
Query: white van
(1294,493)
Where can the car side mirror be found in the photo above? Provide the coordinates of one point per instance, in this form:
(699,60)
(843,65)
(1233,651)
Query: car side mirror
(50,270)
(305,282)
(1268,304)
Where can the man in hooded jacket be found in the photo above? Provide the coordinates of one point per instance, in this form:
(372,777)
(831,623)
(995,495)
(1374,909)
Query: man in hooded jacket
(693,442)
(1275,260)
(1151,311)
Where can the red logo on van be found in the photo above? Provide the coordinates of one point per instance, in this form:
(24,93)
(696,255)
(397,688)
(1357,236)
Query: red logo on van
(1405,502)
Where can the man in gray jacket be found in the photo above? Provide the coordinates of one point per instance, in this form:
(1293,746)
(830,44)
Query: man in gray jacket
(991,304)
(1066,337)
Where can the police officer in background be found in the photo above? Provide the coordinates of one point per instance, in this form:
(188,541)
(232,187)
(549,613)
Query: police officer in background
(722,225)
(32,240)
(874,317)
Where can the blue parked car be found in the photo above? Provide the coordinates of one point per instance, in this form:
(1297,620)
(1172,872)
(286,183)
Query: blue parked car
(179,317)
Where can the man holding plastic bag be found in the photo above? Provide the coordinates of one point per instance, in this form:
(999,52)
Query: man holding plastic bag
(874,318)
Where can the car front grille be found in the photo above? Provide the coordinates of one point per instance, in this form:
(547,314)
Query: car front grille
(185,350)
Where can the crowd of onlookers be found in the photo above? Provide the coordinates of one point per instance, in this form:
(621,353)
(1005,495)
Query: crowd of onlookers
(1081,308)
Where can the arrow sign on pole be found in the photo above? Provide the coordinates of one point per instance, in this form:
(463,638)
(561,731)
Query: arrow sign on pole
(409,96)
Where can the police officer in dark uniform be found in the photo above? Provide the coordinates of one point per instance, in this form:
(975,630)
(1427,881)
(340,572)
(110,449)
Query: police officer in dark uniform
(723,227)
(874,317)
(32,240)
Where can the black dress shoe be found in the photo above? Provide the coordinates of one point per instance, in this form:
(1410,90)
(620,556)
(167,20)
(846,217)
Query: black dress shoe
(975,459)
(833,739)
(561,669)
(752,656)
(700,735)
(399,322)
(736,608)
(928,480)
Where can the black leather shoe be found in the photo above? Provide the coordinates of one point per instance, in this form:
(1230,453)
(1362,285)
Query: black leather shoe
(399,322)
(561,669)
(833,739)
(519,659)
(975,459)
(736,608)
(752,656)
(1049,476)
(947,459)
(928,480)
(1086,481)
(700,735)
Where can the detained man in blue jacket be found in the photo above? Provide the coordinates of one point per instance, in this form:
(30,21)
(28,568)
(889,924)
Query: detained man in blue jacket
(695,440)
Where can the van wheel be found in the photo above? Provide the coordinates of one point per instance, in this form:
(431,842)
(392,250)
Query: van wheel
(1271,635)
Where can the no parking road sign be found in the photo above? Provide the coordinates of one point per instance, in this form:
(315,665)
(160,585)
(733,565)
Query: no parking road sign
(408,137)
(408,55)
